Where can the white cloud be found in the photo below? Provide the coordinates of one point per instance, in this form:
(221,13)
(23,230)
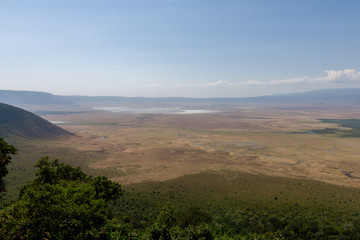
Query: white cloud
(210,84)
(253,82)
(338,77)
(288,81)
(332,76)
(342,76)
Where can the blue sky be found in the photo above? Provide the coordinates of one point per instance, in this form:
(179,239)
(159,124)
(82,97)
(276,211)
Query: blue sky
(189,48)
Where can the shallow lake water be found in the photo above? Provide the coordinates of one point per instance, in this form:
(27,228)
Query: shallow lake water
(154,110)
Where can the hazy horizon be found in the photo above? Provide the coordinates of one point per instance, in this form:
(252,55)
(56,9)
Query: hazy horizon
(120,96)
(163,48)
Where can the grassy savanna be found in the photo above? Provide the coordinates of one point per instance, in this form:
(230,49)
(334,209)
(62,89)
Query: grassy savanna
(131,148)
(141,147)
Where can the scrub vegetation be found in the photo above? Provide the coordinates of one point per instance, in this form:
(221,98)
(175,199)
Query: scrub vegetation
(63,202)
(354,124)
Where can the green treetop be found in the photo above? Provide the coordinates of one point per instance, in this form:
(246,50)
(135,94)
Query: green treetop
(6,151)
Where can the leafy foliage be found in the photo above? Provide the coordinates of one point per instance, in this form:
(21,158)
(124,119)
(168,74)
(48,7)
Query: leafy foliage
(61,203)
(194,216)
(6,151)
(52,172)
(243,206)
(168,226)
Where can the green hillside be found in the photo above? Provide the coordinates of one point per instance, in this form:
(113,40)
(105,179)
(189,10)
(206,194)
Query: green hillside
(242,204)
(16,121)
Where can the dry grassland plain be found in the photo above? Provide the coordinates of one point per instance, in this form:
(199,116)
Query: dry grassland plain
(133,148)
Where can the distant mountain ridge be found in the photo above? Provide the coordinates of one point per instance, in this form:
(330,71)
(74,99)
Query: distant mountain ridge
(16,121)
(343,95)
(28,98)
(19,98)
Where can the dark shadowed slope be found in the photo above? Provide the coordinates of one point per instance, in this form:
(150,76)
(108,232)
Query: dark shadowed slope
(16,121)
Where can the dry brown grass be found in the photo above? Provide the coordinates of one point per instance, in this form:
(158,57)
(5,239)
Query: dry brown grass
(142,147)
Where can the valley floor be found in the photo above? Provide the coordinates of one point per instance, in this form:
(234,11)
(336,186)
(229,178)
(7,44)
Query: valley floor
(132,148)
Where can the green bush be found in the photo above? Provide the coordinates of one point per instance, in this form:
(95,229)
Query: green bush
(61,203)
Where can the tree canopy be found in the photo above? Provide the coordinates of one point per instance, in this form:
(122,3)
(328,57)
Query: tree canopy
(6,152)
(61,203)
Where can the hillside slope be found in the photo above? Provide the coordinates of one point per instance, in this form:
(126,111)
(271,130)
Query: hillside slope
(16,121)
(28,98)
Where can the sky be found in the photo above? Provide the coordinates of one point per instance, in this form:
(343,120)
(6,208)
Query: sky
(179,48)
